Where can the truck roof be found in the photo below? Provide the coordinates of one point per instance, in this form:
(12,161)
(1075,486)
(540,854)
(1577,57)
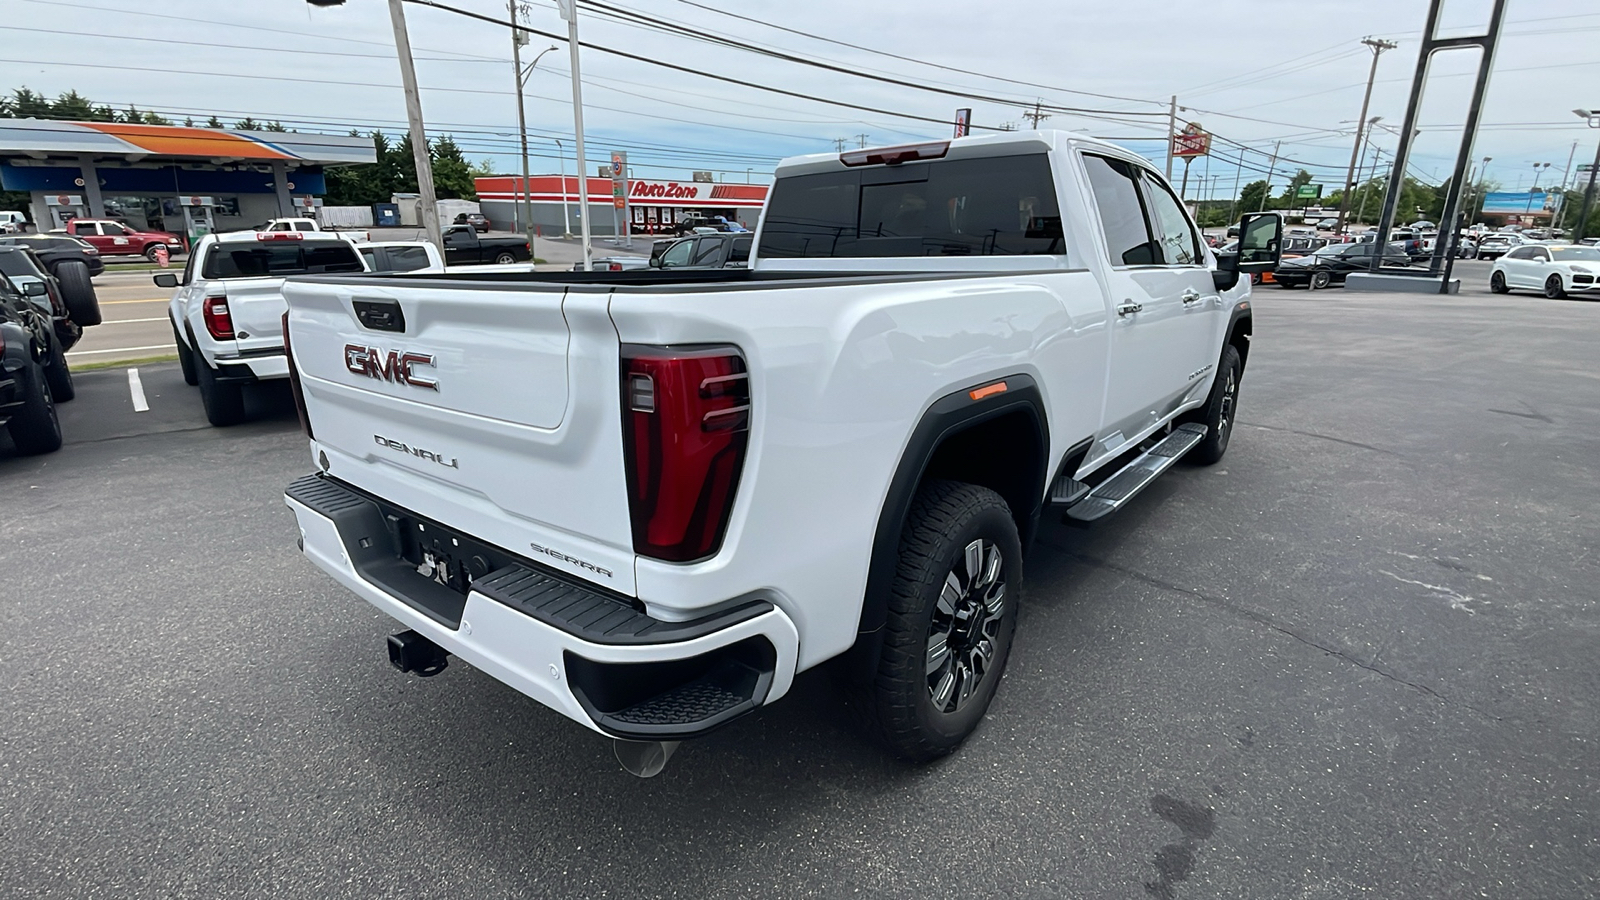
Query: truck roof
(997,144)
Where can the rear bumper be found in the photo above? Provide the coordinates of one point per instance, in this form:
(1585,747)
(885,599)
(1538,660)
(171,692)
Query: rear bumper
(245,368)
(584,652)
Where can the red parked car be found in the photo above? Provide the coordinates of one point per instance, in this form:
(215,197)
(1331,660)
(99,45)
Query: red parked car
(113,238)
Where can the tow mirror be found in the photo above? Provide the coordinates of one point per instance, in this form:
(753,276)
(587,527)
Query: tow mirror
(1260,242)
(166,280)
(35,289)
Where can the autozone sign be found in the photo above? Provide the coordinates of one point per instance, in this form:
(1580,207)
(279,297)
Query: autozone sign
(667,190)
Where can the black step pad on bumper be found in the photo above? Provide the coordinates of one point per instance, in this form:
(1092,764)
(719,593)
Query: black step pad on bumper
(371,530)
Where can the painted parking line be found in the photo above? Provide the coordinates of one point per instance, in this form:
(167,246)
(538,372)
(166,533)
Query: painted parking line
(132,321)
(123,349)
(151,300)
(136,388)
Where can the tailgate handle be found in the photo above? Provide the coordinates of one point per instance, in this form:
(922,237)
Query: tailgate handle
(380,315)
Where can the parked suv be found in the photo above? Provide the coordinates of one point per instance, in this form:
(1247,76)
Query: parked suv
(27,404)
(114,238)
(41,290)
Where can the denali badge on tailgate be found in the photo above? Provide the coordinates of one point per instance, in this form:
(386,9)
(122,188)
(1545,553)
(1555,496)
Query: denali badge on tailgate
(418,452)
(393,366)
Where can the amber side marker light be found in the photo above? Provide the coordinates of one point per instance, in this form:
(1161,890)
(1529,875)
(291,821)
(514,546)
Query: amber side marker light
(988,390)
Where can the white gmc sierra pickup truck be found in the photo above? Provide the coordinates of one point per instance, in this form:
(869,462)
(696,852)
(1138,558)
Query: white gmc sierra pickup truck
(649,499)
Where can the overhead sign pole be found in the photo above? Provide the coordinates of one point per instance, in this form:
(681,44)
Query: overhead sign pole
(569,11)
(619,195)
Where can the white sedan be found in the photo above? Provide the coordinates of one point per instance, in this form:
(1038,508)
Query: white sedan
(1556,270)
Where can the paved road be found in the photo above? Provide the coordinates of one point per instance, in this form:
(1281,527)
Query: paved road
(1355,659)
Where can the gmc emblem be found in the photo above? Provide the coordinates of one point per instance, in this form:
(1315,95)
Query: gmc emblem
(394,366)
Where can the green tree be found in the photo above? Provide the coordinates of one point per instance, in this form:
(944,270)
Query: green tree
(452,174)
(247,124)
(214,122)
(1250,197)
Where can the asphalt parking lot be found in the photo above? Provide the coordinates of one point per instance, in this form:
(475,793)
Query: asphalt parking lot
(1356,658)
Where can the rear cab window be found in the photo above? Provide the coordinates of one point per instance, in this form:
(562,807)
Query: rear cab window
(270,259)
(986,206)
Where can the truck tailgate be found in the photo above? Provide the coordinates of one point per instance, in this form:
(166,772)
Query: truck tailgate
(495,411)
(256,306)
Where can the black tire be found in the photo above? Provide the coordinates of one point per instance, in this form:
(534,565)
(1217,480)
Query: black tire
(937,588)
(186,360)
(56,373)
(1553,288)
(1320,280)
(505,259)
(34,428)
(224,402)
(1220,409)
(151,251)
(78,292)
(1497,283)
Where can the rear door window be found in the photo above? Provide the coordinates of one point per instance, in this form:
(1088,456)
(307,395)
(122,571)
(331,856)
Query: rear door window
(740,254)
(1178,243)
(996,206)
(1114,184)
(275,258)
(407,259)
(708,253)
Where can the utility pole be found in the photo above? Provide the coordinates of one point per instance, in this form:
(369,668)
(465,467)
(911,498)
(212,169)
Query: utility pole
(517,40)
(1377,47)
(862,139)
(1172,132)
(838,144)
(419,136)
(1593,120)
(1037,115)
(1271,171)
(1377,159)
(1561,202)
(1233,207)
(566,214)
(569,11)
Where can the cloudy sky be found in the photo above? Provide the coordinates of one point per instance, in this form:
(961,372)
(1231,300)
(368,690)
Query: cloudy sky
(1253,72)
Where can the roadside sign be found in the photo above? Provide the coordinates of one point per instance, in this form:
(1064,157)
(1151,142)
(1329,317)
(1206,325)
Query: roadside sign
(1191,142)
(963,122)
(619,179)
(1585,167)
(1308,192)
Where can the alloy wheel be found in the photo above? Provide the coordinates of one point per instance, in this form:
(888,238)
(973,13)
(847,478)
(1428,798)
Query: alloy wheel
(966,625)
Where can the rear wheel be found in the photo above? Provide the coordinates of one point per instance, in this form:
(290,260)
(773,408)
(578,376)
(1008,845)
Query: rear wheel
(77,291)
(952,615)
(1553,288)
(1320,280)
(1497,283)
(505,259)
(56,373)
(34,428)
(224,401)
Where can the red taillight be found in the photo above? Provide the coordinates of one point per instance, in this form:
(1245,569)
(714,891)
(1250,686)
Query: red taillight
(218,320)
(615,267)
(894,156)
(294,382)
(279,236)
(685,424)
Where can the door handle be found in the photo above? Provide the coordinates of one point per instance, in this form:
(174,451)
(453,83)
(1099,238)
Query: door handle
(1190,296)
(1128,308)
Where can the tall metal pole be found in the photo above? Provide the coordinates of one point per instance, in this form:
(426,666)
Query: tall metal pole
(419,137)
(1233,207)
(566,214)
(1172,132)
(1377,48)
(1271,170)
(522,124)
(1561,201)
(1588,192)
(569,11)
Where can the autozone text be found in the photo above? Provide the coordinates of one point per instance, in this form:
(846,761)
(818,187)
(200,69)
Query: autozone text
(670,190)
(395,366)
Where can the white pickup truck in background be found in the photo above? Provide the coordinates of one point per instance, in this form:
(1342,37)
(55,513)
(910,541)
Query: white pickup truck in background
(227,308)
(308,225)
(649,499)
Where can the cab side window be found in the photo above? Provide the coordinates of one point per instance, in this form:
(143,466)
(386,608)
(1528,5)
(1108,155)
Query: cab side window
(1176,238)
(677,254)
(710,249)
(1114,184)
(1541,254)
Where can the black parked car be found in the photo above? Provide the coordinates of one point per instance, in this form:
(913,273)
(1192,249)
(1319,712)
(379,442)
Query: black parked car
(703,251)
(55,249)
(1330,265)
(23,267)
(27,364)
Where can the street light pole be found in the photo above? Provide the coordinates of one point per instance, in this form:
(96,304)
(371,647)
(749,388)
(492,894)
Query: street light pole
(517,40)
(566,214)
(569,11)
(1593,121)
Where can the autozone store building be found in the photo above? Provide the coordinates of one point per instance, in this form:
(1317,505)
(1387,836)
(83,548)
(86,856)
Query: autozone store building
(654,207)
